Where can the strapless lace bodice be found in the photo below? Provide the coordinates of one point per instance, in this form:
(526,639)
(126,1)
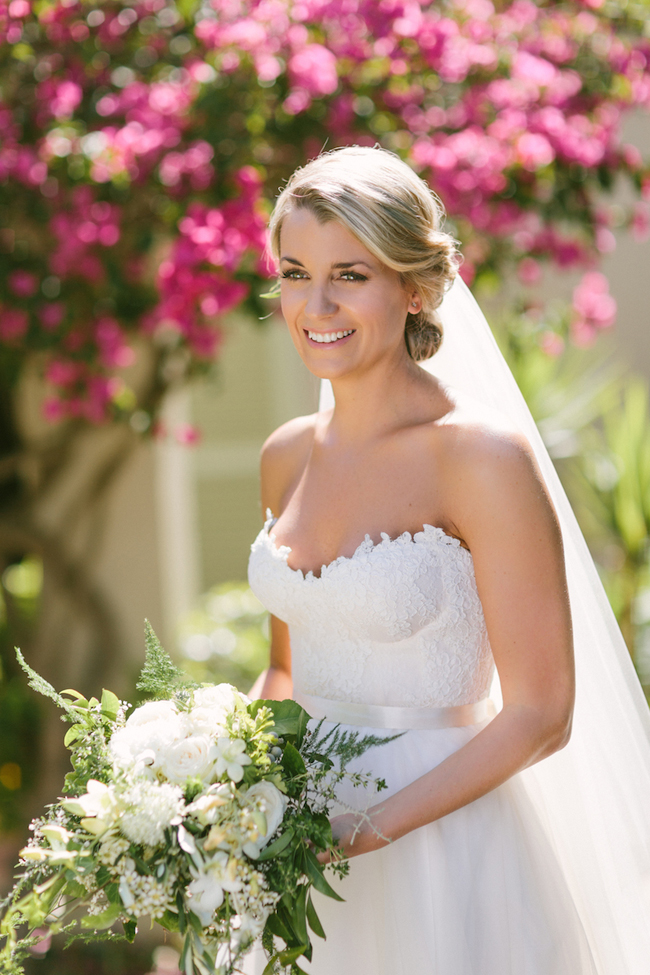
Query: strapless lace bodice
(397,623)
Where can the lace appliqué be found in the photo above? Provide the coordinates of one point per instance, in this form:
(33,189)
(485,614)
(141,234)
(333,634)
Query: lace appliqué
(398,622)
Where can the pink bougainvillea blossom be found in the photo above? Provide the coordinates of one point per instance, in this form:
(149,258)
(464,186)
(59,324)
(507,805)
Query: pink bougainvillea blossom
(13,324)
(23,283)
(125,130)
(187,434)
(594,308)
(314,69)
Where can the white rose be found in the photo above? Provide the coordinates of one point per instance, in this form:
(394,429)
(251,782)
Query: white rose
(212,705)
(152,711)
(143,743)
(187,758)
(265,797)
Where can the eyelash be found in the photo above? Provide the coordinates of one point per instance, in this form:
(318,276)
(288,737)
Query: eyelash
(296,275)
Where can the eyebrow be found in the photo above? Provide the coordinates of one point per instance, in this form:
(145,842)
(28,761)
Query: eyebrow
(339,267)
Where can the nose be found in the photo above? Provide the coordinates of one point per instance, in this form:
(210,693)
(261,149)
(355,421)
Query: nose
(319,303)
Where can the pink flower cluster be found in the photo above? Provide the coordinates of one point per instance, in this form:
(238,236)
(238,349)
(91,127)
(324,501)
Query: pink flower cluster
(511,110)
(79,392)
(80,228)
(520,108)
(273,35)
(195,281)
(593,308)
(155,117)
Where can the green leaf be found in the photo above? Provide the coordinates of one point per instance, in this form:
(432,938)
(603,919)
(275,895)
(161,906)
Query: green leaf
(313,919)
(195,922)
(79,698)
(75,889)
(289,955)
(74,733)
(277,846)
(299,915)
(288,717)
(169,920)
(182,920)
(292,761)
(130,930)
(270,968)
(185,961)
(104,920)
(110,704)
(276,925)
(314,871)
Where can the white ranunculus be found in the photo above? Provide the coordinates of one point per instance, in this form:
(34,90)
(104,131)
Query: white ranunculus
(270,801)
(212,705)
(232,758)
(187,758)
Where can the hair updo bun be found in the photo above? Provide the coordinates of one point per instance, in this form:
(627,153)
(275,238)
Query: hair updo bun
(394,214)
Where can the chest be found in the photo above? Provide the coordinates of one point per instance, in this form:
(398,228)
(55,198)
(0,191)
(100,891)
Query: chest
(384,592)
(339,499)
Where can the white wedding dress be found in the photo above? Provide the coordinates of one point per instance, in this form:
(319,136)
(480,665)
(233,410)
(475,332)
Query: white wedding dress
(479,892)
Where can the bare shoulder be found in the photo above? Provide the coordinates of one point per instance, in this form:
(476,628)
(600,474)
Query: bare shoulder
(283,457)
(491,475)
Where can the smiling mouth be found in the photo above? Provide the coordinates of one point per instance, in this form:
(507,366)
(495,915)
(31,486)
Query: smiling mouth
(329,338)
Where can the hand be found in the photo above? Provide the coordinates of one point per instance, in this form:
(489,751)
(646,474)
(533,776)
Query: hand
(352,834)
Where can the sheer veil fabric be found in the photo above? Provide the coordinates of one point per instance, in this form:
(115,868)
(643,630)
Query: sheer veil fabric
(593,797)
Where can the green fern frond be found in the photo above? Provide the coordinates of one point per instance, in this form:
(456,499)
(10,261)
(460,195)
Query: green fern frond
(160,676)
(41,686)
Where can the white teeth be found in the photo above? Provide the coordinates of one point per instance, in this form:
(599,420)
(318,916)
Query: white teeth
(328,336)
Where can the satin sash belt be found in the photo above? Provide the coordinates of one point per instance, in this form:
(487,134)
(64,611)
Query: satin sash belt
(387,716)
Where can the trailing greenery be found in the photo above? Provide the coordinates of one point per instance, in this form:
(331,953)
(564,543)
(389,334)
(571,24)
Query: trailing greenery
(204,810)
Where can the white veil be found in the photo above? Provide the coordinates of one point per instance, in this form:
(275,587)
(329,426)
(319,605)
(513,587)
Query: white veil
(594,796)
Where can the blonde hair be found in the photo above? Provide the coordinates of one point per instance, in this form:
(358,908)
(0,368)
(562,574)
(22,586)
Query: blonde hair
(394,214)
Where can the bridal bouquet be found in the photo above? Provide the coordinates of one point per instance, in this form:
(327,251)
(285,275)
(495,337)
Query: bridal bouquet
(202,809)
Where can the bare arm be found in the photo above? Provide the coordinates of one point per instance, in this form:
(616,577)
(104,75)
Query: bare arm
(275,683)
(283,455)
(503,513)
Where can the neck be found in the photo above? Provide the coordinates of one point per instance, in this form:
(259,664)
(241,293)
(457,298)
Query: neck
(383,398)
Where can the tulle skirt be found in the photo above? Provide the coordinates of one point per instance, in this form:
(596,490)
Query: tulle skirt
(479,892)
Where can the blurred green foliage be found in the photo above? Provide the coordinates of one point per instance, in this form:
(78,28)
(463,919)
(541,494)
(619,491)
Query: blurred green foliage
(20,587)
(226,637)
(595,419)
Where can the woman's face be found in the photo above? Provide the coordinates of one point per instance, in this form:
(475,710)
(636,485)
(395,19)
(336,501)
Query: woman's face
(344,308)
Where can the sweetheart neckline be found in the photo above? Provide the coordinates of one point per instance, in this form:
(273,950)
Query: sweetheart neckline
(367,544)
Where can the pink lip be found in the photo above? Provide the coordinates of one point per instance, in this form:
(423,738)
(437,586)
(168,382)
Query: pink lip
(326,345)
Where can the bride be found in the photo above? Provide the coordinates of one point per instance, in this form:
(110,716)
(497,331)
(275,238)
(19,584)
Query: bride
(411,547)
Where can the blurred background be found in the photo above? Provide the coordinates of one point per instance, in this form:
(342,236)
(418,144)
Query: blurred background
(141,367)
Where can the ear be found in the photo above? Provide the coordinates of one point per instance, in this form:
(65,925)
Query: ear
(415,304)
